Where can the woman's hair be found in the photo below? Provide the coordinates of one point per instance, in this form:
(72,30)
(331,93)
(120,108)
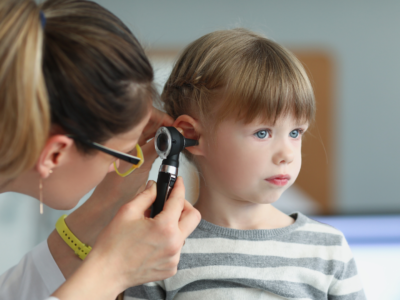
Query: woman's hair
(69,65)
(237,74)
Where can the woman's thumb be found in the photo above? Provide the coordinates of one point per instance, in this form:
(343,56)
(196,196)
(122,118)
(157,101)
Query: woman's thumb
(149,184)
(145,199)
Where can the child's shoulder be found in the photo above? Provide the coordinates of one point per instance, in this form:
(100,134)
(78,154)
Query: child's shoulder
(303,229)
(318,232)
(311,224)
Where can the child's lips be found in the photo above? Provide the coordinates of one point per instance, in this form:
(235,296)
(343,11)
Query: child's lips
(279,180)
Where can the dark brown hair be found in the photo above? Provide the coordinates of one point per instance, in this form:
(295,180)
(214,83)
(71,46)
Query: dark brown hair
(98,78)
(83,72)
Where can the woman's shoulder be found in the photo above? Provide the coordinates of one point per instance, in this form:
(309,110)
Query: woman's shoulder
(36,276)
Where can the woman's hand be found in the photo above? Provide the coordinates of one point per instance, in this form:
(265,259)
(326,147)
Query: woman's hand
(144,249)
(134,249)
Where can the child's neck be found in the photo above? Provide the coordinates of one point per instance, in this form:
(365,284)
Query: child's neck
(221,210)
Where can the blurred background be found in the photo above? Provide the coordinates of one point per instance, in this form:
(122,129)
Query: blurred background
(350,172)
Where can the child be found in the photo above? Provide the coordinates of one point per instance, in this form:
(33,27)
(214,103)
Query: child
(249,101)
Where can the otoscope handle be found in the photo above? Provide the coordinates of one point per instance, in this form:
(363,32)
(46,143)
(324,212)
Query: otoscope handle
(165,183)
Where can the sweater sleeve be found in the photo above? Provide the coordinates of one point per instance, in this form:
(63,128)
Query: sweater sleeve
(35,277)
(152,290)
(346,284)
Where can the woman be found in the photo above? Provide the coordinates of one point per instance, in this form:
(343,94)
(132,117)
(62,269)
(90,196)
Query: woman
(76,92)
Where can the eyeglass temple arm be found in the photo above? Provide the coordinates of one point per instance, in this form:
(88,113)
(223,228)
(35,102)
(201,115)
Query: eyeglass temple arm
(123,156)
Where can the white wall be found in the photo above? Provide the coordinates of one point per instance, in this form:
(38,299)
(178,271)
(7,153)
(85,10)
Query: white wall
(364,38)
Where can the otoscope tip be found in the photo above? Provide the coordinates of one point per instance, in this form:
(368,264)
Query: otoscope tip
(190,143)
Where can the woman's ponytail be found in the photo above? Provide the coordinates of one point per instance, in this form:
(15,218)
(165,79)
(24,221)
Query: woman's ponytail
(24,105)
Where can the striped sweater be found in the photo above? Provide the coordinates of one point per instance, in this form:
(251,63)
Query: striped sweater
(306,260)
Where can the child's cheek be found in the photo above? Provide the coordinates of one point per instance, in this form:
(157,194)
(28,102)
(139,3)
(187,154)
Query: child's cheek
(230,163)
(296,167)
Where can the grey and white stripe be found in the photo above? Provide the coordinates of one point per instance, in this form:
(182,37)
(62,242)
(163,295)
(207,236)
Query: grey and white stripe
(307,260)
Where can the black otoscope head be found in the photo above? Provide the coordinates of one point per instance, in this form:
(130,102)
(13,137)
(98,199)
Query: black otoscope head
(169,144)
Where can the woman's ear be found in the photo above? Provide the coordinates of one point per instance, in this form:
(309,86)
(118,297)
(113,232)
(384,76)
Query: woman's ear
(55,153)
(191,130)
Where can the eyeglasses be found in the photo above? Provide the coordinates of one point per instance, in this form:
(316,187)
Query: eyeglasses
(136,161)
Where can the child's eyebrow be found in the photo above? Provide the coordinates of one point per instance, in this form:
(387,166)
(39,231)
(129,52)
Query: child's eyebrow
(302,124)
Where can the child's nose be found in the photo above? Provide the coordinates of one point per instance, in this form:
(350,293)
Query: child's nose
(283,155)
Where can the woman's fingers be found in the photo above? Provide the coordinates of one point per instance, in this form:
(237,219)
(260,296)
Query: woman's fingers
(157,119)
(174,205)
(189,220)
(140,204)
(179,211)
(149,154)
(180,130)
(160,118)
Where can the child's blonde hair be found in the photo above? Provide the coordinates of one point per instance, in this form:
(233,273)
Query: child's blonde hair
(240,74)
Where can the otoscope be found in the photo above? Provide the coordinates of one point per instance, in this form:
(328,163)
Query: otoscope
(169,143)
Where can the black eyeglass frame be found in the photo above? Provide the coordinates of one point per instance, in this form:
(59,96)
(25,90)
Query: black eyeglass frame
(120,155)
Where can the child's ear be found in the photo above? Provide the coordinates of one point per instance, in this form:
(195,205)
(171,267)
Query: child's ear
(54,153)
(191,130)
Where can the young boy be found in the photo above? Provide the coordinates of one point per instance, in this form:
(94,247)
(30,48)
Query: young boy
(249,101)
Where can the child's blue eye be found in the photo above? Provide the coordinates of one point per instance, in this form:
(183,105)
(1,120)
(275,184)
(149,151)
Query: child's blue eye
(262,134)
(294,134)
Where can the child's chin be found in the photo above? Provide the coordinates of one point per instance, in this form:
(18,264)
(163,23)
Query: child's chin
(270,198)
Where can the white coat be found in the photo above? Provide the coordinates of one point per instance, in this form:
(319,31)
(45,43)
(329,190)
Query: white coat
(35,277)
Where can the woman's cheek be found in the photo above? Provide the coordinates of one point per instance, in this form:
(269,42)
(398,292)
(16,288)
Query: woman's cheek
(111,167)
